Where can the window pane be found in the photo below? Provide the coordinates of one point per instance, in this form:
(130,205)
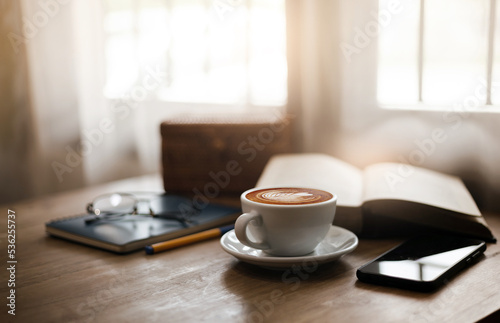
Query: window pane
(220,51)
(268,63)
(398,53)
(455,49)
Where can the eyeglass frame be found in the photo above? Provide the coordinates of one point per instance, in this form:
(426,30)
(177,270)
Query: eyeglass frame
(113,216)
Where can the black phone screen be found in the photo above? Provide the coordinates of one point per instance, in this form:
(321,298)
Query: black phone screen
(423,262)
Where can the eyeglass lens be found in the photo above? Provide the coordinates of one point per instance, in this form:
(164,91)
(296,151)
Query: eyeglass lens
(170,204)
(114,203)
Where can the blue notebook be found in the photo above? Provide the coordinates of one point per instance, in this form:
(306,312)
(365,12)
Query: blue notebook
(134,232)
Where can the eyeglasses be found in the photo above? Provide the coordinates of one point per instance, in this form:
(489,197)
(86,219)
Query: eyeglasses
(115,205)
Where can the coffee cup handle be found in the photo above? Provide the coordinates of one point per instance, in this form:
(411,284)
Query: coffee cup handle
(240,228)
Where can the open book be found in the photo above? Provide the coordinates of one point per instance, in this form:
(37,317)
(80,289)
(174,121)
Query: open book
(384,199)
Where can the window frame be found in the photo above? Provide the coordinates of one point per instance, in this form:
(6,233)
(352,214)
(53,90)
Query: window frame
(487,82)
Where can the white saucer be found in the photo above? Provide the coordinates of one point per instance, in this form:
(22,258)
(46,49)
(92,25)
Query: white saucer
(337,243)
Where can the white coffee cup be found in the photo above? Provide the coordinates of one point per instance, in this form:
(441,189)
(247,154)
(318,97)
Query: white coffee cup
(285,221)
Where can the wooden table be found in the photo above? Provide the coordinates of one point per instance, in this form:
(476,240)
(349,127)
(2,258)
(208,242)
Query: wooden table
(60,281)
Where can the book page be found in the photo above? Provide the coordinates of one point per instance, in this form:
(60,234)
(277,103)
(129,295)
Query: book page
(411,183)
(317,171)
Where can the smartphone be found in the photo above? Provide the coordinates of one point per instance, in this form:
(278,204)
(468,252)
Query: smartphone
(423,263)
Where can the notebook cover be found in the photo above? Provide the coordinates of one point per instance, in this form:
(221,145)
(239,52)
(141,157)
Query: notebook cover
(134,232)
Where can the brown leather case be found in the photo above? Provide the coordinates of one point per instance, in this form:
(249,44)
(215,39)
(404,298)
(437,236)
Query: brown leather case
(216,155)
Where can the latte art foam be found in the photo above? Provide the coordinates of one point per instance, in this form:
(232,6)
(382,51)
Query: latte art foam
(288,195)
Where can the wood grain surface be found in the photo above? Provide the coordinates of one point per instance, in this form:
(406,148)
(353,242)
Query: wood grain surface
(60,281)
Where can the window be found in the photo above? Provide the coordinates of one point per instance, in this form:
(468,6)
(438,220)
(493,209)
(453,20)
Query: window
(209,51)
(438,53)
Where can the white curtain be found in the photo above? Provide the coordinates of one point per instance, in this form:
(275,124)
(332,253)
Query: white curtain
(80,139)
(18,151)
(72,133)
(314,78)
(65,133)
